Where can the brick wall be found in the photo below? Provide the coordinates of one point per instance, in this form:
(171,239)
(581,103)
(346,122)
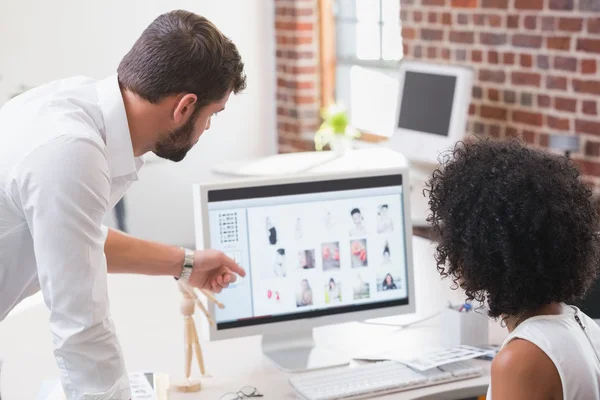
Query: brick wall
(297,61)
(536,63)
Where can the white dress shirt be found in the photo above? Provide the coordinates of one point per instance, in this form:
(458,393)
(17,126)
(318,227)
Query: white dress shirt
(65,159)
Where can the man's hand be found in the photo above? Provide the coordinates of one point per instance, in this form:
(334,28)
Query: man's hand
(213,270)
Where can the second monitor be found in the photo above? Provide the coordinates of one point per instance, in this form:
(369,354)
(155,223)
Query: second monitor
(317,250)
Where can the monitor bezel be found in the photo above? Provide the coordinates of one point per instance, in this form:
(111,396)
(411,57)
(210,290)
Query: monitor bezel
(426,147)
(307,322)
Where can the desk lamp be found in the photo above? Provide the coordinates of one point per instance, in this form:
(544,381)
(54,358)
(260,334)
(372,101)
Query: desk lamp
(567,143)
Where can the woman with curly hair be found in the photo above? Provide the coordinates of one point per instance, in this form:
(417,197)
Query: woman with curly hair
(517,230)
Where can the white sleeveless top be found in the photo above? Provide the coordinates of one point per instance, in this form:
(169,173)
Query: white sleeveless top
(574,351)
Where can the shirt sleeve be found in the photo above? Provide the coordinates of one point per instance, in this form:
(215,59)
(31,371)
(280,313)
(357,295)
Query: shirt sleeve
(64,187)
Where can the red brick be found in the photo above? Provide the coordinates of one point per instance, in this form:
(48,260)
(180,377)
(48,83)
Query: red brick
(529,41)
(403,16)
(293,26)
(593,25)
(497,76)
(564,104)
(508,58)
(446,54)
(478,128)
(559,43)
(494,94)
(500,4)
(589,127)
(511,132)
(492,39)
(543,101)
(555,82)
(418,52)
(494,131)
(588,45)
(565,63)
(303,70)
(461,55)
(510,97)
(529,4)
(526,60)
(591,87)
(570,24)
(589,107)
(548,24)
(494,21)
(465,3)
(447,19)
(476,56)
(493,112)
(530,22)
(305,99)
(405,48)
(544,139)
(561,4)
(462,19)
(462,37)
(526,79)
(589,167)
(477,92)
(529,118)
(543,62)
(440,3)
(528,136)
(512,21)
(592,149)
(418,16)
(562,124)
(432,17)
(409,33)
(472,109)
(431,52)
(493,57)
(432,34)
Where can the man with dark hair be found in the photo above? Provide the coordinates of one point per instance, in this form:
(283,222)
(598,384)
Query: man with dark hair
(69,150)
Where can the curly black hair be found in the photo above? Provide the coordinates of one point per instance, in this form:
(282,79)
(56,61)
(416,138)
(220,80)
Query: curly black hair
(516,225)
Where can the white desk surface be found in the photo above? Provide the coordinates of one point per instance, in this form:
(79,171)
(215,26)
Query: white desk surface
(373,158)
(146,313)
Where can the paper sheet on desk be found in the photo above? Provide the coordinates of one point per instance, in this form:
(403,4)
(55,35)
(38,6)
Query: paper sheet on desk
(432,358)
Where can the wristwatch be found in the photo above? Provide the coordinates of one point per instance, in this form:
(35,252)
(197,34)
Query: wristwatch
(188,265)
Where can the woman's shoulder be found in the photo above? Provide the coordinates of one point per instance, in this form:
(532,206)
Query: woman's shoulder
(523,366)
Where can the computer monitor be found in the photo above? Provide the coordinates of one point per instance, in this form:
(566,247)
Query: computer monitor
(432,109)
(317,249)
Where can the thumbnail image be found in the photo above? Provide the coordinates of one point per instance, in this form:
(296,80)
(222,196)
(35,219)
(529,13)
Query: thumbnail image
(276,266)
(304,295)
(385,256)
(306,259)
(271,232)
(271,297)
(362,289)
(330,253)
(328,222)
(333,292)
(358,223)
(384,221)
(358,249)
(388,281)
(298,230)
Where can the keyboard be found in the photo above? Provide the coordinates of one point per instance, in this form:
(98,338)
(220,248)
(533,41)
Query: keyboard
(370,380)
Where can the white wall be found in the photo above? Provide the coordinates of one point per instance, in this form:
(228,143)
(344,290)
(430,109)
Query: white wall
(45,40)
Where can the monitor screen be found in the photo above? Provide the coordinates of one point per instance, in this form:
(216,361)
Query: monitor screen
(427,101)
(311,249)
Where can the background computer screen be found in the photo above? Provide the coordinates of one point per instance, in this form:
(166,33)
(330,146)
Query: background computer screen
(427,101)
(311,249)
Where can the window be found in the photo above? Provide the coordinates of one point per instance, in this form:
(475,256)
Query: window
(368,46)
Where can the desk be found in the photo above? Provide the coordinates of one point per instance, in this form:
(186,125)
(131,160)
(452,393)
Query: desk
(153,340)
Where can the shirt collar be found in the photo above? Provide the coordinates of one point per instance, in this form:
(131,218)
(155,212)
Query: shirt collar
(118,138)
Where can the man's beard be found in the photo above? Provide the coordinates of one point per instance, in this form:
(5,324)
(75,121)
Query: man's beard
(176,144)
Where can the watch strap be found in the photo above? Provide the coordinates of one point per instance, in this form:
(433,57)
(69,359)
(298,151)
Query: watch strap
(188,265)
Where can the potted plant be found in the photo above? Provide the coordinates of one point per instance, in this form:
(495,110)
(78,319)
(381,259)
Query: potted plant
(335,130)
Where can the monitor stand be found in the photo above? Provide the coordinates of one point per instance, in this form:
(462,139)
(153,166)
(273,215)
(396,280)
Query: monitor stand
(297,352)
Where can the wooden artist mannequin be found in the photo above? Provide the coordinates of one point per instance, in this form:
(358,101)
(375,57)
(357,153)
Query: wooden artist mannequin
(192,344)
